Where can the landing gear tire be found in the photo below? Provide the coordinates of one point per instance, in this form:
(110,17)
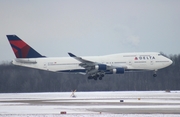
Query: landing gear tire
(96,76)
(154,75)
(101,76)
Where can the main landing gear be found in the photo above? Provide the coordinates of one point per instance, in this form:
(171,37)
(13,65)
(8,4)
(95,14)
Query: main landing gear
(96,76)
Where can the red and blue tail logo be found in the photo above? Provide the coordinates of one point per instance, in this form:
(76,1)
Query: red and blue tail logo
(21,49)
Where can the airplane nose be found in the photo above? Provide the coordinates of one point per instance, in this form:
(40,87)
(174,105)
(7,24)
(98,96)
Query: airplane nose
(170,62)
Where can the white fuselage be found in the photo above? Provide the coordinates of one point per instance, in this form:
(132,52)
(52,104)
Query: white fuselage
(129,61)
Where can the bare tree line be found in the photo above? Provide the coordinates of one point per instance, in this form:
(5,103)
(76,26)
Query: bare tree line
(21,79)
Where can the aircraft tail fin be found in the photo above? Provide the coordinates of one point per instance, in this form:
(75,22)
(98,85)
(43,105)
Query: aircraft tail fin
(22,49)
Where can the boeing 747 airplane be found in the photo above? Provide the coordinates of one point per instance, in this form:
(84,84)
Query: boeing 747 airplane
(95,67)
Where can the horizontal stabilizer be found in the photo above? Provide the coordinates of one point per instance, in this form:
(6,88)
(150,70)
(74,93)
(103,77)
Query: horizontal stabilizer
(26,61)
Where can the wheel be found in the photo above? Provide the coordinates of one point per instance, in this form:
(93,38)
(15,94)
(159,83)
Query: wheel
(154,75)
(102,75)
(100,78)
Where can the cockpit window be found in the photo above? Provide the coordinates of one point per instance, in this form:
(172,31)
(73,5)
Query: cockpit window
(159,54)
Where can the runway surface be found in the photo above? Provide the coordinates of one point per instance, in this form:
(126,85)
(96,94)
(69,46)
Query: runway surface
(111,104)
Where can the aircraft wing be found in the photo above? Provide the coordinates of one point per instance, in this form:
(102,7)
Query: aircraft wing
(88,65)
(93,67)
(87,62)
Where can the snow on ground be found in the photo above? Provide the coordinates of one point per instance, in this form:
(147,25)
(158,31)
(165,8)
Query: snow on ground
(91,115)
(51,104)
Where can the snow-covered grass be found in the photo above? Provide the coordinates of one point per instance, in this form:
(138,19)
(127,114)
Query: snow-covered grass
(91,115)
(86,104)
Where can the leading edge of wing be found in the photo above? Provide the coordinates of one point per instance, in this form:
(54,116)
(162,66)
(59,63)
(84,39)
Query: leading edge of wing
(81,59)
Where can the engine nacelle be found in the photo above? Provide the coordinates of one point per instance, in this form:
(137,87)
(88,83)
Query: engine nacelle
(118,71)
(100,67)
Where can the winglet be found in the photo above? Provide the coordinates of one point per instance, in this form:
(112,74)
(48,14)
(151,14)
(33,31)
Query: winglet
(71,55)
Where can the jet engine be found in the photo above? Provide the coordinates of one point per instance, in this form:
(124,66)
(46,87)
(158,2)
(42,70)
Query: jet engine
(118,71)
(100,67)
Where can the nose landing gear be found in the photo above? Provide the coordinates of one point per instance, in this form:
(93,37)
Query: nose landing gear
(155,75)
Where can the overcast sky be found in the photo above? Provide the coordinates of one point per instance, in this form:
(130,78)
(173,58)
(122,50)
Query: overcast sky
(91,27)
